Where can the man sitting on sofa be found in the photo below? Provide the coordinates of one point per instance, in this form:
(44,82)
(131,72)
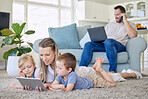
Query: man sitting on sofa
(118,34)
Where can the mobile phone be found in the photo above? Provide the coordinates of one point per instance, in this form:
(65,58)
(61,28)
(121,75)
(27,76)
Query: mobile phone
(122,17)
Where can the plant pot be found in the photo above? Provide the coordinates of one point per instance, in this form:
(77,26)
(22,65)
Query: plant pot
(12,66)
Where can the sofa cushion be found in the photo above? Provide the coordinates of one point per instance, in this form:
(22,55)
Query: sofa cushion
(82,31)
(122,56)
(65,37)
(84,40)
(36,45)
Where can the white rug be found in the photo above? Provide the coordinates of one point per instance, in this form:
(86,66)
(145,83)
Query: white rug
(131,89)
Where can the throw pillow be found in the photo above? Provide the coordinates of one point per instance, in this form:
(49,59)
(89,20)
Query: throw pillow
(82,31)
(66,37)
(84,40)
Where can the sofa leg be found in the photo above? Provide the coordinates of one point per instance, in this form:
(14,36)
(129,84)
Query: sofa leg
(142,54)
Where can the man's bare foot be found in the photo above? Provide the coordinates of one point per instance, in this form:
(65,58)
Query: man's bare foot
(98,64)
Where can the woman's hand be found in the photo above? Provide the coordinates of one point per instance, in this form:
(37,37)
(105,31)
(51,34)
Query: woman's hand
(46,85)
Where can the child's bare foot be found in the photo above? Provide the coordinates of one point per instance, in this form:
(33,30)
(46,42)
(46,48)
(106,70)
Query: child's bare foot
(98,59)
(98,64)
(94,66)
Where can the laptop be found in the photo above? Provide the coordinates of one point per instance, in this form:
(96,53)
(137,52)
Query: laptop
(97,34)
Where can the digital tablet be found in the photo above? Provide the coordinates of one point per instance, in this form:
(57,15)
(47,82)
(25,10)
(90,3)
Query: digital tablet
(31,82)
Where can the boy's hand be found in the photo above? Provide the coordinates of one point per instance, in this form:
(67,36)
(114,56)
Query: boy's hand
(21,72)
(64,89)
(58,89)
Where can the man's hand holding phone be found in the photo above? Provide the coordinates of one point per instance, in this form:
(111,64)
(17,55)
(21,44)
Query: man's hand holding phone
(123,16)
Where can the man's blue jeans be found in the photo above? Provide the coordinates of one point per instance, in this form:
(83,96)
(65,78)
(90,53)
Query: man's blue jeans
(110,46)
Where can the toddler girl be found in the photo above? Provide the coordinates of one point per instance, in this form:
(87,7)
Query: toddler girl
(27,69)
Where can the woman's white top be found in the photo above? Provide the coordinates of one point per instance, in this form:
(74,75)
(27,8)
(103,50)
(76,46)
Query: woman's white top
(50,74)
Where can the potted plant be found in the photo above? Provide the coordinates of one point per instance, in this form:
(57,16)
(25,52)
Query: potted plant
(15,37)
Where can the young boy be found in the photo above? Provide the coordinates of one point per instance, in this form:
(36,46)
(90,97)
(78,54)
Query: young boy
(27,68)
(68,80)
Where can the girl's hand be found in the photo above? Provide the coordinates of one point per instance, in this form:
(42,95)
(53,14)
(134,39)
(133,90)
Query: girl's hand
(27,88)
(30,89)
(21,72)
(38,89)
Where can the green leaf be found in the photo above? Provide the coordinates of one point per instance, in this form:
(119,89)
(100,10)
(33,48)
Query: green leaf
(8,40)
(30,32)
(31,45)
(7,32)
(17,28)
(22,27)
(23,50)
(2,45)
(6,54)
(16,42)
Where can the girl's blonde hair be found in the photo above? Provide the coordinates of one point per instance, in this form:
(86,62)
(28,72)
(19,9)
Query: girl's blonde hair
(24,58)
(48,42)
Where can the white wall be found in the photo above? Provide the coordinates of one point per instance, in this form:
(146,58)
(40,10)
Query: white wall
(110,2)
(6,6)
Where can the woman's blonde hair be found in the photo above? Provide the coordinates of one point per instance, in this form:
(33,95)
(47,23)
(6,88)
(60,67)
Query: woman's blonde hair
(48,42)
(24,58)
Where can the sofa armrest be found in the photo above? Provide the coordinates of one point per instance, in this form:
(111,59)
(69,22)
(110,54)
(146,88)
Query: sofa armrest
(36,45)
(134,48)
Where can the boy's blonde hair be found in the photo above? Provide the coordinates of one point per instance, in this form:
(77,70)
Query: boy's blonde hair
(24,58)
(69,60)
(48,42)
